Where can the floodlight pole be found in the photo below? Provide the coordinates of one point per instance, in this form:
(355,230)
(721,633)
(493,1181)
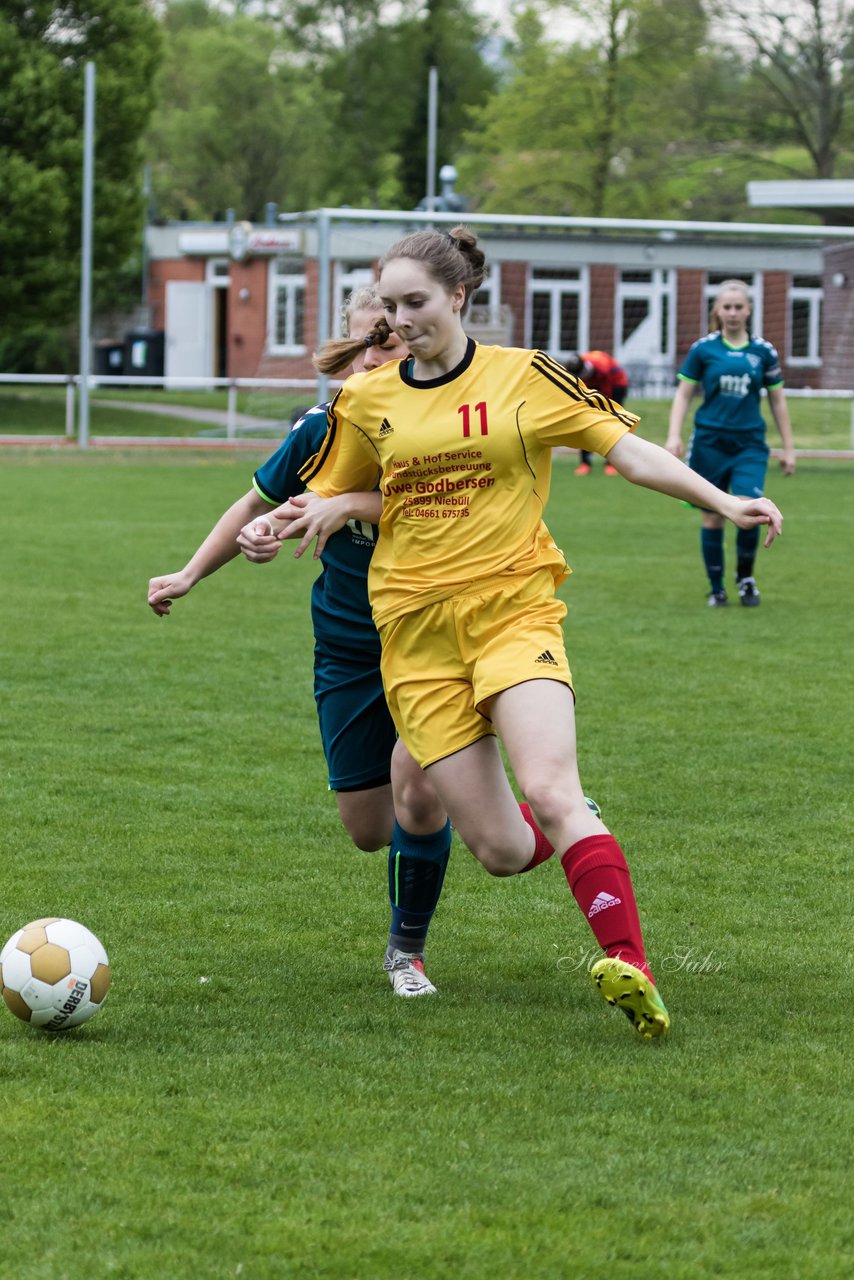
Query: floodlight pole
(324,285)
(86,253)
(432,124)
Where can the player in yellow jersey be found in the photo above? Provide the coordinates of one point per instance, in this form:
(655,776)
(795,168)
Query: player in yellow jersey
(463,579)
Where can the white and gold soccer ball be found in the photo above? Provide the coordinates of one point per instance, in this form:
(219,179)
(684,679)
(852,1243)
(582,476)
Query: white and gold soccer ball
(54,973)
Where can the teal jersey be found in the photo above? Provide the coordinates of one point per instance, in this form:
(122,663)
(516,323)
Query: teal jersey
(732,379)
(340,611)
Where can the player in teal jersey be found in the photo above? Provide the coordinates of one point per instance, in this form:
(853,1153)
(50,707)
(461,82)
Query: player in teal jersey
(357,731)
(728,444)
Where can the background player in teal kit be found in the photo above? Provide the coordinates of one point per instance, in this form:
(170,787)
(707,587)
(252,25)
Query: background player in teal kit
(357,731)
(728,445)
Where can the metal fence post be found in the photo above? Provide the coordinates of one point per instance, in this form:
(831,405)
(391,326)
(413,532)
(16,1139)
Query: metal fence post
(231,418)
(69,407)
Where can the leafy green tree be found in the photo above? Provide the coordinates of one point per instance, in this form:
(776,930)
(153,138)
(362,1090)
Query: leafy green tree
(43,48)
(375,58)
(643,115)
(801,59)
(241,119)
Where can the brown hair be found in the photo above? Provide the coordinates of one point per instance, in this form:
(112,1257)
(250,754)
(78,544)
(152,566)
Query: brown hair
(338,353)
(724,287)
(451,257)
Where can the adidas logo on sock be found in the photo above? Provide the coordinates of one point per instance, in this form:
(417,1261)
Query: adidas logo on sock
(386,429)
(602,902)
(547,658)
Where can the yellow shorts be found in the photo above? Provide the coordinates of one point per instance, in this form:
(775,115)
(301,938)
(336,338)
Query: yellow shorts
(440,664)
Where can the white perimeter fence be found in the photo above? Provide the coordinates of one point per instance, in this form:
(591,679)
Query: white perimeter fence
(239,427)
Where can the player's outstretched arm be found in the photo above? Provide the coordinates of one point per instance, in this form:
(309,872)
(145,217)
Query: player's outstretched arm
(647,464)
(681,402)
(218,548)
(780,412)
(308,517)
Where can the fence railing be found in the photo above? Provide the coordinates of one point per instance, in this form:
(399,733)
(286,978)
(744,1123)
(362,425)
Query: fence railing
(232,385)
(235,429)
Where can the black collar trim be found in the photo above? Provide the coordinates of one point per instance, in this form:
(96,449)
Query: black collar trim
(405,367)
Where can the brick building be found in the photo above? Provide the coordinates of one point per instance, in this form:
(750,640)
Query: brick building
(242,301)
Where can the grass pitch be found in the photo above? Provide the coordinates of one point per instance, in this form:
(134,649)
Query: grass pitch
(252,1101)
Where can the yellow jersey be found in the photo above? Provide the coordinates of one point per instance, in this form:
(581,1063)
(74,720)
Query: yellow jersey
(464,465)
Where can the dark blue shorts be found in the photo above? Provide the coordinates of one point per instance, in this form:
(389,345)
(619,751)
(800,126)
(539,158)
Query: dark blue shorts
(732,463)
(356,730)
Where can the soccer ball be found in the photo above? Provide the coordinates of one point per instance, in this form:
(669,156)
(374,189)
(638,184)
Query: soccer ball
(54,973)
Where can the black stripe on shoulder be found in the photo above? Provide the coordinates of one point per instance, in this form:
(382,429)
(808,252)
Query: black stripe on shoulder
(315,464)
(568,383)
(558,375)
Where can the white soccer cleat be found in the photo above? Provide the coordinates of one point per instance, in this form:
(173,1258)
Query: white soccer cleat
(406,975)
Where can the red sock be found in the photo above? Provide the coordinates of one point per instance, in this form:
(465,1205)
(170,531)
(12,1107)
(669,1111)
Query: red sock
(542,849)
(601,885)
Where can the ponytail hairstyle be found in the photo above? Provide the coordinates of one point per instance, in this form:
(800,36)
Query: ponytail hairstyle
(725,287)
(451,257)
(338,353)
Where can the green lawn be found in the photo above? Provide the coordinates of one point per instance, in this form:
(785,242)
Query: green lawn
(162,781)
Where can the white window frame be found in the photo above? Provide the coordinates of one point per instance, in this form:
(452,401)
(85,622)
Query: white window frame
(346,277)
(814,295)
(491,287)
(214,275)
(289,282)
(756,292)
(661,284)
(556,288)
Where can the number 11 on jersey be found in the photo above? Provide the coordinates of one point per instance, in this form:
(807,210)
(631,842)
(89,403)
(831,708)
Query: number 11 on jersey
(480,410)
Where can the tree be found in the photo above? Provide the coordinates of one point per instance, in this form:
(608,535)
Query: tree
(804,54)
(240,120)
(376,58)
(43,47)
(643,115)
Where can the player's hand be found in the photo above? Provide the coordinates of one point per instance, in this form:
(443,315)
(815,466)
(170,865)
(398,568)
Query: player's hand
(787,462)
(308,517)
(750,512)
(162,591)
(675,446)
(258,542)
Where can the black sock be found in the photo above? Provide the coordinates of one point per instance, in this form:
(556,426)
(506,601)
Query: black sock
(416,872)
(712,543)
(746,546)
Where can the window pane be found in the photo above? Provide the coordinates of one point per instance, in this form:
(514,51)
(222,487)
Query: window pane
(569,322)
(806,282)
(541,307)
(298,338)
(636,277)
(665,317)
(281,316)
(801,328)
(717,277)
(635,311)
(556,273)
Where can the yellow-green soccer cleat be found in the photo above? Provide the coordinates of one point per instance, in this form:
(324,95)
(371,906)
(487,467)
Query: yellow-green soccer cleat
(623,985)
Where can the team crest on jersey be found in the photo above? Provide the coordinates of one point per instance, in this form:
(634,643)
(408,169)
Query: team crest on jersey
(753,360)
(386,429)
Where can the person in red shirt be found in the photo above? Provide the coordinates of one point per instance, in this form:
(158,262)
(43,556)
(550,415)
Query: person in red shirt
(600,372)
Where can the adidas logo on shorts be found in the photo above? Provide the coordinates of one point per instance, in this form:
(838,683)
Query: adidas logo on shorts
(546,658)
(386,429)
